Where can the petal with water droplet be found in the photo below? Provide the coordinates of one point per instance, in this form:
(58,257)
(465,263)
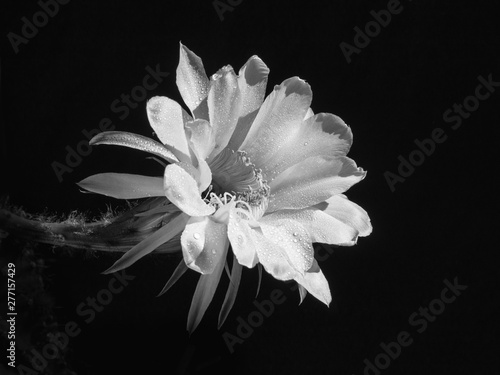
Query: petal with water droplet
(312,181)
(167,118)
(252,81)
(202,243)
(279,116)
(135,141)
(321,135)
(181,188)
(224,103)
(243,239)
(192,82)
(316,284)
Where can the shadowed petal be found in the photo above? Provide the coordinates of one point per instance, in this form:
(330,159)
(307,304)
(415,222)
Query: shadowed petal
(134,141)
(178,272)
(232,290)
(203,295)
(162,235)
(124,186)
(181,188)
(167,119)
(312,181)
(192,82)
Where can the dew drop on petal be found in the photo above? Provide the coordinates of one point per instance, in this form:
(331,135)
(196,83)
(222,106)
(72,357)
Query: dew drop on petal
(196,236)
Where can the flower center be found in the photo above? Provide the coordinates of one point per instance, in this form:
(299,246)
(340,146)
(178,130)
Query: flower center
(234,173)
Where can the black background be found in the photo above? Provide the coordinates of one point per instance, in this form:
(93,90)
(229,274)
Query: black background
(438,224)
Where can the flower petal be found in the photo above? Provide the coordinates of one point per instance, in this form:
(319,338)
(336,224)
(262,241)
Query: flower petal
(321,135)
(124,186)
(322,227)
(224,103)
(288,243)
(204,293)
(167,119)
(252,81)
(192,82)
(349,213)
(316,284)
(146,246)
(178,272)
(203,243)
(181,188)
(312,181)
(243,239)
(134,141)
(232,290)
(201,137)
(283,110)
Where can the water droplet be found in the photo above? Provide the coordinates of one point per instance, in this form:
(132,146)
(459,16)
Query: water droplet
(196,236)
(214,251)
(295,234)
(295,240)
(240,238)
(305,143)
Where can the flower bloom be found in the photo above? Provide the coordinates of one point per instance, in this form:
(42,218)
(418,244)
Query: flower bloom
(261,176)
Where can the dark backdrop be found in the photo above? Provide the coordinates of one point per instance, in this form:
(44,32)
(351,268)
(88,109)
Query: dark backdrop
(393,90)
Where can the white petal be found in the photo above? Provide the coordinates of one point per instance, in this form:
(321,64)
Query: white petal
(321,135)
(282,112)
(135,141)
(192,82)
(181,188)
(243,239)
(321,227)
(312,181)
(252,81)
(224,102)
(124,186)
(167,119)
(291,240)
(349,213)
(316,284)
(204,293)
(203,243)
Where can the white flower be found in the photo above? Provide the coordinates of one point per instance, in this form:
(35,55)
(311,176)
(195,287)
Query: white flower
(264,177)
